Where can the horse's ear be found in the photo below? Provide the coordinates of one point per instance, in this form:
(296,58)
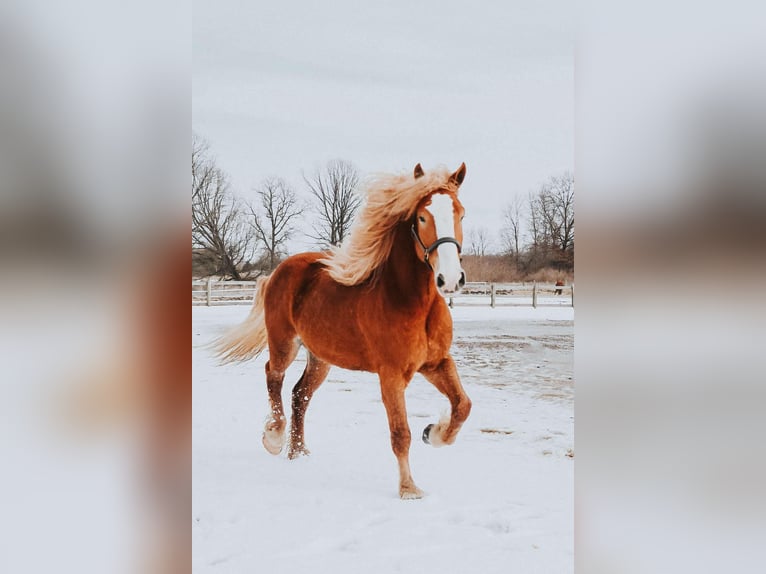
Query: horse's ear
(419,171)
(458,177)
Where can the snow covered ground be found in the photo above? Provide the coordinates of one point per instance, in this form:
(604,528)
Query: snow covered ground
(499,500)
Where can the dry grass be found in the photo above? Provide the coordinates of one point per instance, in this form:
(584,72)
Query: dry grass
(500,269)
(549,275)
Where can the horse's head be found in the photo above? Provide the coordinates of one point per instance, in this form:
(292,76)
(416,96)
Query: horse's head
(437,233)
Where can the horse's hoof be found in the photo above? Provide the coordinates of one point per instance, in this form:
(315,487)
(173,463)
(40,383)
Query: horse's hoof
(273,442)
(427,433)
(298,452)
(412,493)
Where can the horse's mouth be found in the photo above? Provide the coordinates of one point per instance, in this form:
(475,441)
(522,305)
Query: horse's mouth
(449,291)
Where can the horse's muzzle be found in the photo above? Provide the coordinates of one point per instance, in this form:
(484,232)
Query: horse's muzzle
(447,291)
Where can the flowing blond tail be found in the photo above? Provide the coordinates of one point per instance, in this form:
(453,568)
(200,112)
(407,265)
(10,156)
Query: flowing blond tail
(248,339)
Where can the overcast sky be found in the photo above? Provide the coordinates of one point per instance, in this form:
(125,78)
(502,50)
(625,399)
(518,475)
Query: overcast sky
(280,88)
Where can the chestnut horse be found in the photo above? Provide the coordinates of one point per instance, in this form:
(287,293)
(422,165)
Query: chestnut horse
(375,304)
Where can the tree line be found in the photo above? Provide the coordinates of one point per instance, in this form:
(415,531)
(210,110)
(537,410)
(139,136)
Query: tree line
(234,238)
(535,239)
(538,231)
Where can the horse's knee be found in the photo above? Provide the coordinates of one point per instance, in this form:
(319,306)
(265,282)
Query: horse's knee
(400,440)
(273,375)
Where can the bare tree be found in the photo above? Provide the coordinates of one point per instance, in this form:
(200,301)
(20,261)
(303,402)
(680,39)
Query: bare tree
(542,223)
(511,231)
(551,222)
(561,190)
(335,201)
(554,208)
(203,167)
(478,241)
(272,219)
(219,229)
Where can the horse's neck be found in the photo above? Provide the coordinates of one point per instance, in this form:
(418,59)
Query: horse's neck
(406,278)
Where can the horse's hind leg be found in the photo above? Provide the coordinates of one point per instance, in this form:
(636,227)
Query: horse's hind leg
(313,375)
(445,378)
(281,354)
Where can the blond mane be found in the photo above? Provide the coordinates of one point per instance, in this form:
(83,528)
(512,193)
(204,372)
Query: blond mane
(389,199)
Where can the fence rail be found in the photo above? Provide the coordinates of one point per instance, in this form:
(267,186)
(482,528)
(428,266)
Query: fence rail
(213,292)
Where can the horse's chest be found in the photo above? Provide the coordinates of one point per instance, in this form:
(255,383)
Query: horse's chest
(439,342)
(438,333)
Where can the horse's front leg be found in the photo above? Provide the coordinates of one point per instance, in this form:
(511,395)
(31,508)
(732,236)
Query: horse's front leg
(444,377)
(392,391)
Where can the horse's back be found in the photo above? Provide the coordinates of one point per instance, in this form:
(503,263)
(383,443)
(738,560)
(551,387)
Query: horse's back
(291,276)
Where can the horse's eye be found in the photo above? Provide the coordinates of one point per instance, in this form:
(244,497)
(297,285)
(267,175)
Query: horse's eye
(462,218)
(422,219)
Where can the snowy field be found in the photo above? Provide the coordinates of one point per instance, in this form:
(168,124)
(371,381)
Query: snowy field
(499,500)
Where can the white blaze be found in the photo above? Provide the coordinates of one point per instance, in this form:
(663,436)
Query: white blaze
(448,264)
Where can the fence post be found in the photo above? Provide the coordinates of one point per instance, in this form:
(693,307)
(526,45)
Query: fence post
(572,287)
(534,295)
(492,295)
(209,288)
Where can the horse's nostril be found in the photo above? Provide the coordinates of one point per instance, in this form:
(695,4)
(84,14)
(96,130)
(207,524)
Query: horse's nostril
(440,280)
(462,279)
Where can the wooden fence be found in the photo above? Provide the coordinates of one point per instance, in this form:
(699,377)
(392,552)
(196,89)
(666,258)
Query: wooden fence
(213,292)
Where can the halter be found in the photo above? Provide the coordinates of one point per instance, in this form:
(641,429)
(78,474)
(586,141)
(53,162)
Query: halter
(427,250)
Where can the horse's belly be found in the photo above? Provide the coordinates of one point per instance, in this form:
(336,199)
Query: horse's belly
(335,341)
(338,352)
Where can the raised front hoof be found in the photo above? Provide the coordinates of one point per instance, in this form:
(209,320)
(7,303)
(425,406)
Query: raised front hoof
(273,442)
(427,433)
(298,452)
(432,435)
(411,493)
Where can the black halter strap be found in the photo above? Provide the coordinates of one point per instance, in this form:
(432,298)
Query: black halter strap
(428,250)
